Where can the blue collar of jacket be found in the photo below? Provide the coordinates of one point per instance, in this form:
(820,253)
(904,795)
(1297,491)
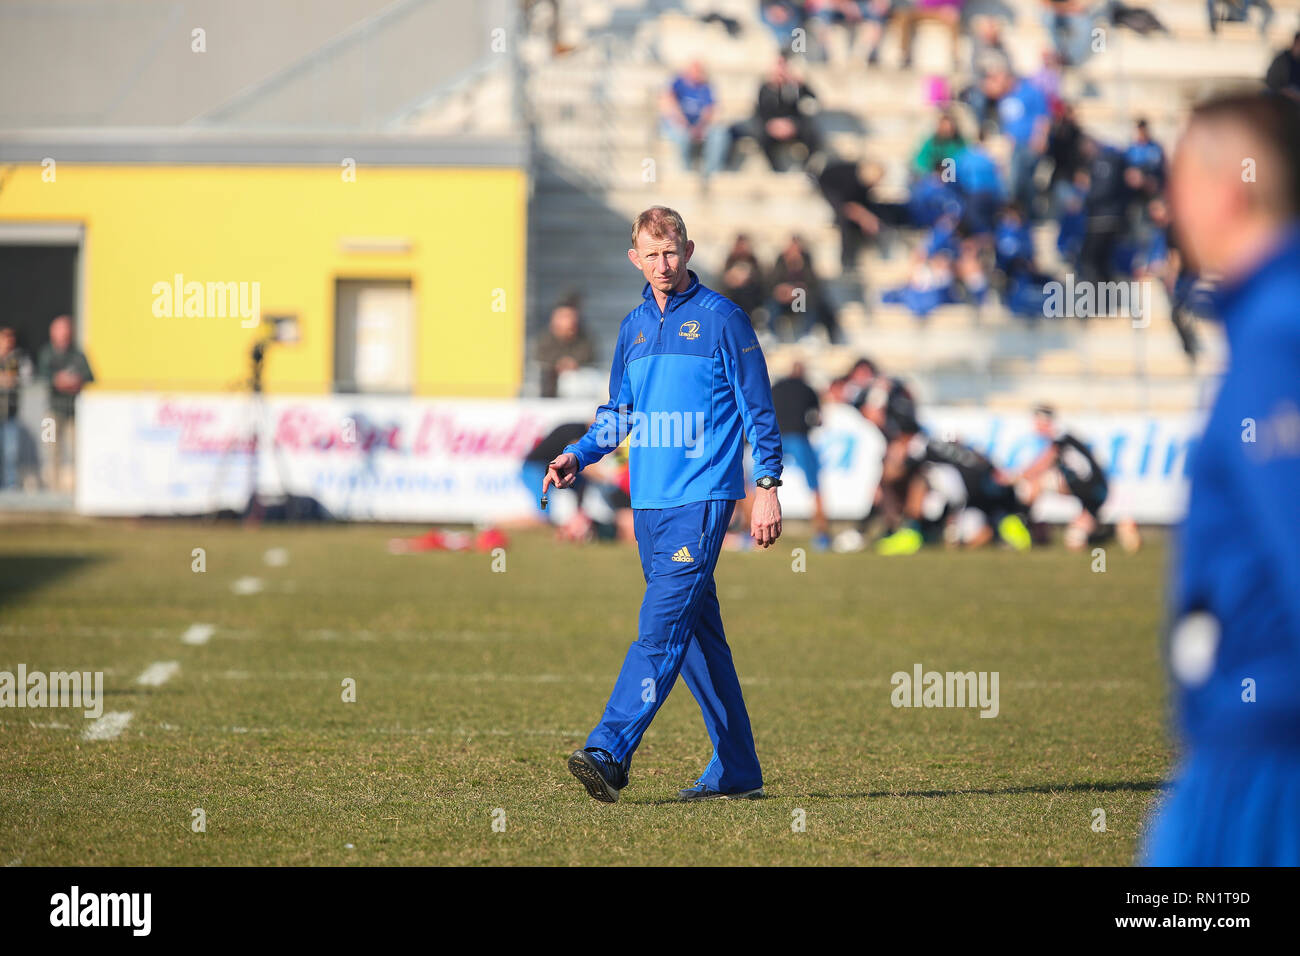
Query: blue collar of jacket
(1283,258)
(674,298)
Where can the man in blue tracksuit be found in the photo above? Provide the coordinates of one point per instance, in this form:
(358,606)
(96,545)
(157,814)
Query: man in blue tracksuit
(1234,642)
(687,386)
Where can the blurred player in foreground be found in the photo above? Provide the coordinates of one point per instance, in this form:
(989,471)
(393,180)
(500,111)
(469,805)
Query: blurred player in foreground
(688,383)
(1234,644)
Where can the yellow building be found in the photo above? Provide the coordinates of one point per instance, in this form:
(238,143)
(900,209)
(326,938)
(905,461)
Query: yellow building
(401,259)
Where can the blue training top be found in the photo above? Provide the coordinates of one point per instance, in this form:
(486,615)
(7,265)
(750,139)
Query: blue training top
(1238,558)
(688,386)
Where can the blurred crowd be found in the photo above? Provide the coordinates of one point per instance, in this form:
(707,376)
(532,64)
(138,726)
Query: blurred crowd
(1006,155)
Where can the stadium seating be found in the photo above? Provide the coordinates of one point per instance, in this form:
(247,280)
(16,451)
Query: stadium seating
(598,160)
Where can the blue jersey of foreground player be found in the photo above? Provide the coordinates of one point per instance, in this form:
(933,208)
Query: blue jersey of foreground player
(688,386)
(1239,548)
(1235,642)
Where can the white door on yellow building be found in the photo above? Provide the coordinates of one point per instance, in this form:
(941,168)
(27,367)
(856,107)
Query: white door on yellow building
(374,336)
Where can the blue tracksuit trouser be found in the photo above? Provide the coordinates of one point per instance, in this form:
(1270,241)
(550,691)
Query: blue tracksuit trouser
(680,630)
(1234,807)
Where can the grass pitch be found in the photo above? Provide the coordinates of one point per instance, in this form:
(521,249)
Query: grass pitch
(472,686)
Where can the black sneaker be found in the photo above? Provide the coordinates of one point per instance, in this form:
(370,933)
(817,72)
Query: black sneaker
(599,772)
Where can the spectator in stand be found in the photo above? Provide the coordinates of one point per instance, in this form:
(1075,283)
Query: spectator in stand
(1013,245)
(686,111)
(1145,162)
(14,371)
(987,54)
(944,143)
(798,411)
(972,278)
(1072,218)
(564,347)
(1064,140)
(66,369)
(930,279)
(981,186)
(935,195)
(875,17)
(864,20)
(1048,80)
(796,290)
(1144,178)
(782,17)
(859,217)
(1104,209)
(1284,72)
(1159,259)
(1022,115)
(784,116)
(1152,257)
(1238,11)
(822,16)
(947,12)
(742,279)
(1023,285)
(1070,23)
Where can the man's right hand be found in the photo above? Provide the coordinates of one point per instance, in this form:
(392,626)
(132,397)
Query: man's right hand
(562,472)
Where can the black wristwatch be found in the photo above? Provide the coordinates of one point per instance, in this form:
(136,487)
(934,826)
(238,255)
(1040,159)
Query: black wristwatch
(767,482)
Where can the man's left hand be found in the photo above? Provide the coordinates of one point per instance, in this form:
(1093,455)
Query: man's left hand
(765,518)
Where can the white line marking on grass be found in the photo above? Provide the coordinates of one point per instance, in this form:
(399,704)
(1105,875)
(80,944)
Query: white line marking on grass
(475,732)
(247,585)
(198,634)
(331,634)
(17,861)
(403,676)
(158,673)
(520,732)
(20,630)
(108,727)
(514,678)
(276,557)
(284,730)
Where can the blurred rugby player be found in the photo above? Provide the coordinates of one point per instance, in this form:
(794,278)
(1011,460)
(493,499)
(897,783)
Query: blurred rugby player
(1067,466)
(952,488)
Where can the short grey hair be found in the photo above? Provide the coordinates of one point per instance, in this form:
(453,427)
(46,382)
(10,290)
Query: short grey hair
(661,223)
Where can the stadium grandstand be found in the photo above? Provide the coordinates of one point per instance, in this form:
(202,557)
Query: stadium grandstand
(593,122)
